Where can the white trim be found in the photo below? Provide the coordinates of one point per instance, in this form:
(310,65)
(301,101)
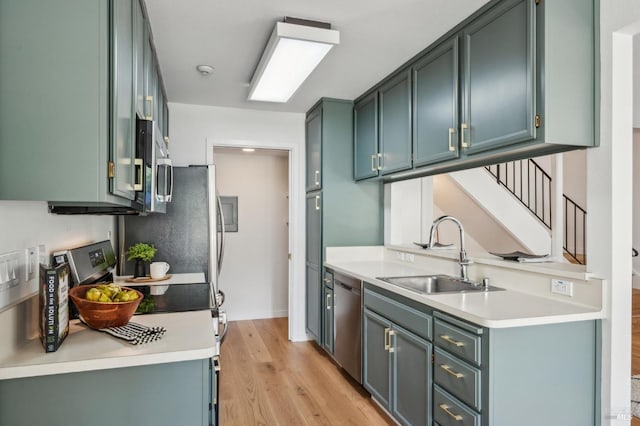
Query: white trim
(296,224)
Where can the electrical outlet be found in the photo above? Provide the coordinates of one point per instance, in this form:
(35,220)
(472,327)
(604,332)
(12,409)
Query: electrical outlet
(562,287)
(9,269)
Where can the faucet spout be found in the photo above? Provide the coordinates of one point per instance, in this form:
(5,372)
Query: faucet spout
(464,260)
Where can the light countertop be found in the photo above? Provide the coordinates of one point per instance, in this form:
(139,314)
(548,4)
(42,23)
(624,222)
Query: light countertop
(189,336)
(494,309)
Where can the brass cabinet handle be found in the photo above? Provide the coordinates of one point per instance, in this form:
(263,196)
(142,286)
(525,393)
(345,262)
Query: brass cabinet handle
(452,131)
(448,369)
(317,202)
(380,165)
(373,166)
(328,304)
(463,127)
(391,348)
(456,417)
(450,340)
(316,177)
(326,280)
(386,339)
(150,100)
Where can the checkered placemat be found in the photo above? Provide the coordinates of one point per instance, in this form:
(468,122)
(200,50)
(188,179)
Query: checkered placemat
(134,333)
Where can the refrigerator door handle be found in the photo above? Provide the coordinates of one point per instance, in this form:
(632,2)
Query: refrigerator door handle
(222,232)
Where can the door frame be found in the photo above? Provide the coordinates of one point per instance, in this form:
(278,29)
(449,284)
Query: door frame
(296,267)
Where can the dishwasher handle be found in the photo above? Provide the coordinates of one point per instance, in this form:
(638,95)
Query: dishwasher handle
(355,290)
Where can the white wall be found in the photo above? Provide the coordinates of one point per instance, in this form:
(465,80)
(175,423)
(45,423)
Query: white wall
(636,198)
(196,128)
(609,205)
(574,165)
(26,224)
(254,274)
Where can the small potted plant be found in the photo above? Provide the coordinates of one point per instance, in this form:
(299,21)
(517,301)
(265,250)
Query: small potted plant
(142,253)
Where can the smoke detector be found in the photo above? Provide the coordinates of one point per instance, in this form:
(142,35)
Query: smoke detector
(205,69)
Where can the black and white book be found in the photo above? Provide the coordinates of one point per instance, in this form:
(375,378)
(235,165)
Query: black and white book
(54,305)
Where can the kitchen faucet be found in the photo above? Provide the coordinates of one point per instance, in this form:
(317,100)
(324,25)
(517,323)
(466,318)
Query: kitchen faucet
(464,260)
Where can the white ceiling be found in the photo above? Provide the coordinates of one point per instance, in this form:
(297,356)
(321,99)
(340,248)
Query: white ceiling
(376,37)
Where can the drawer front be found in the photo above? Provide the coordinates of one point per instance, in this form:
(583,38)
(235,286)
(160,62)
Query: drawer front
(411,319)
(457,377)
(459,342)
(448,411)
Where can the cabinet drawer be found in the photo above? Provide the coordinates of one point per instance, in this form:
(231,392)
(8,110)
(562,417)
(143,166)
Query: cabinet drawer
(448,411)
(457,377)
(457,341)
(407,317)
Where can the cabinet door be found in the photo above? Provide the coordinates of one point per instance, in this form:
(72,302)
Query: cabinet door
(365,116)
(328,315)
(395,124)
(314,149)
(376,369)
(435,105)
(314,228)
(313,289)
(150,78)
(412,380)
(498,83)
(140,34)
(122,114)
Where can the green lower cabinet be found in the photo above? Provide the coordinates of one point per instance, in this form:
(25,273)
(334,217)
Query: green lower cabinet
(313,301)
(328,317)
(170,394)
(397,369)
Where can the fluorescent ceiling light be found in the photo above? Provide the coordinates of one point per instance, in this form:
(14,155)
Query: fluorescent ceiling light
(292,53)
(248,149)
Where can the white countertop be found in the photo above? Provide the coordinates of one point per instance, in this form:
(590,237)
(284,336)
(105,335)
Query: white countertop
(189,336)
(494,309)
(186,278)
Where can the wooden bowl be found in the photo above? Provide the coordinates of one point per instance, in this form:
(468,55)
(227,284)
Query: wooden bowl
(103,314)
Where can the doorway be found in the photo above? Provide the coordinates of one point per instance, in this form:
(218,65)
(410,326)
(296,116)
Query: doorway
(254,186)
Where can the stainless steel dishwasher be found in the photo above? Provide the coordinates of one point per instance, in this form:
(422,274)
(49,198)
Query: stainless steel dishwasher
(347,300)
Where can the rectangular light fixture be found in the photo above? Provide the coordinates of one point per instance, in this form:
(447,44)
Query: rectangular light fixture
(292,53)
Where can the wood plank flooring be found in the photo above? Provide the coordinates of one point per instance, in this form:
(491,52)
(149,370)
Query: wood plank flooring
(267,380)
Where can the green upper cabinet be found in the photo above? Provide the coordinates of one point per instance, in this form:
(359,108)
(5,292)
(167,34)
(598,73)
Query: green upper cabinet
(81,131)
(498,78)
(435,105)
(314,146)
(122,86)
(395,124)
(515,80)
(365,136)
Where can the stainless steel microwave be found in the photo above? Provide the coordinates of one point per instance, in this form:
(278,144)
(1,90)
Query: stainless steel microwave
(154,168)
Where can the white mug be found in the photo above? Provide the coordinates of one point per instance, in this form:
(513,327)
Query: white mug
(159,269)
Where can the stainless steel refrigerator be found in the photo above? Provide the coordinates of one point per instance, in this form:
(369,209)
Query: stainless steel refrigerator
(189,236)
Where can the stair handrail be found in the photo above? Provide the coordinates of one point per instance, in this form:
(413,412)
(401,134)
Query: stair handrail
(521,190)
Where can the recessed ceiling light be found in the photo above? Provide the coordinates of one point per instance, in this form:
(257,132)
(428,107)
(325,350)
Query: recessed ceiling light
(248,149)
(204,69)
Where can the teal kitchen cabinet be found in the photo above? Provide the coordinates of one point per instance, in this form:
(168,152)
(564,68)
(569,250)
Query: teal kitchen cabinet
(365,136)
(435,105)
(168,394)
(313,262)
(341,213)
(395,124)
(397,355)
(382,129)
(313,132)
(514,80)
(492,376)
(328,317)
(75,145)
(498,81)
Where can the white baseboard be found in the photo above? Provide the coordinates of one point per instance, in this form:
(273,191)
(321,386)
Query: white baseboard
(243,316)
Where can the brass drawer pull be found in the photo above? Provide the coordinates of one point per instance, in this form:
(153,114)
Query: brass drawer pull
(456,417)
(452,131)
(450,340)
(450,371)
(463,127)
(386,339)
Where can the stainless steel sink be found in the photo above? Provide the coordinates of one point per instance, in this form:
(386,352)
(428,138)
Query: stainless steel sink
(430,284)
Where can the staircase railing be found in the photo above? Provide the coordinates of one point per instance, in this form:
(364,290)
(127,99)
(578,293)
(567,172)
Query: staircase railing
(531,185)
(575,219)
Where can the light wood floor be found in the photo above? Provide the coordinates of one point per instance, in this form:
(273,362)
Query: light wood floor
(267,380)
(635,340)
